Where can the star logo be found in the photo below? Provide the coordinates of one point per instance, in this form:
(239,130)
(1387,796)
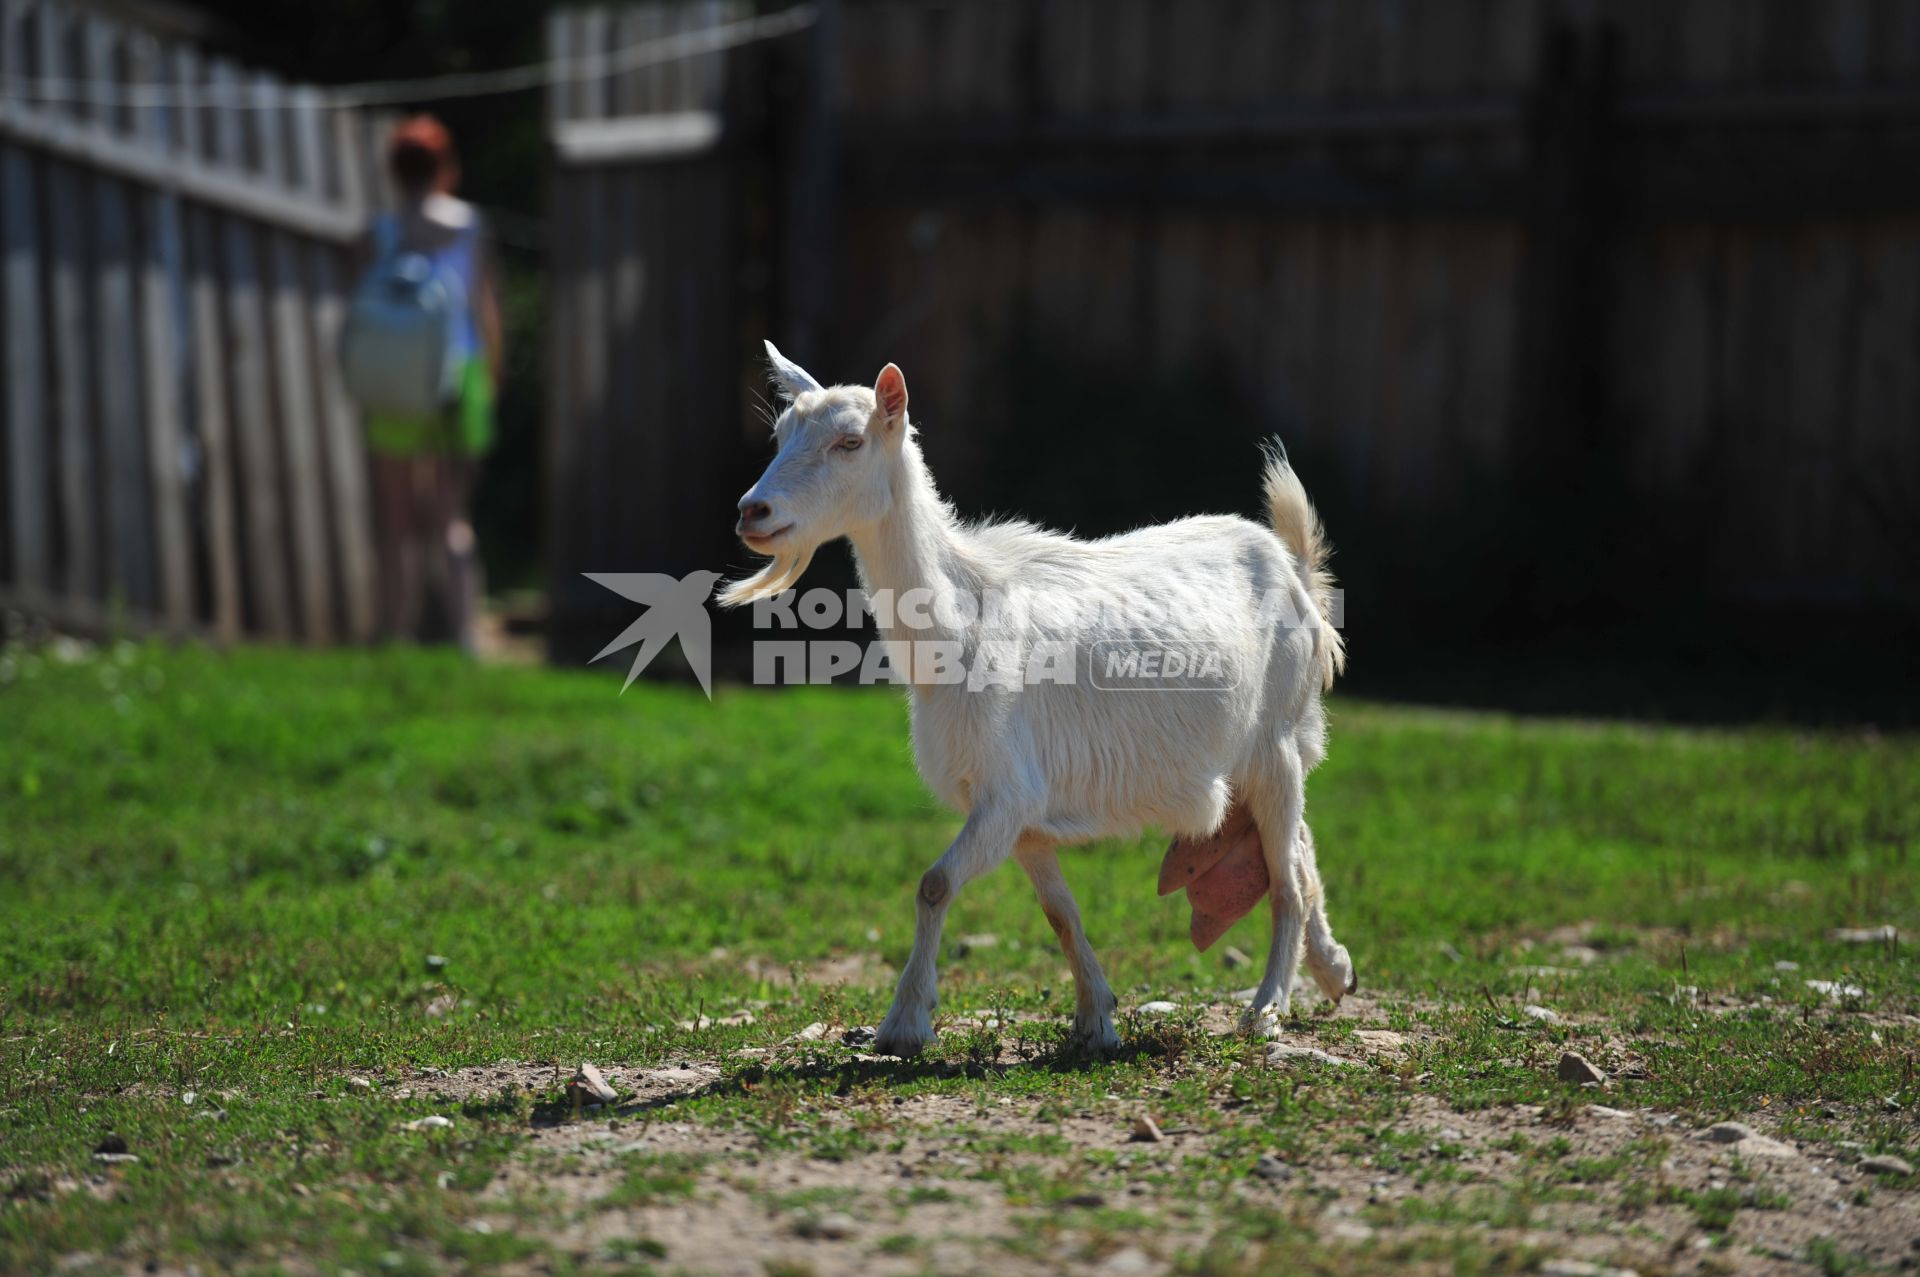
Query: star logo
(674,609)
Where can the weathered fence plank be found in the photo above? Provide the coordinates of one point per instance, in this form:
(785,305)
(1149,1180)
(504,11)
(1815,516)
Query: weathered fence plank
(161,319)
(68,276)
(342,439)
(212,427)
(24,407)
(256,452)
(124,496)
(24,411)
(288,309)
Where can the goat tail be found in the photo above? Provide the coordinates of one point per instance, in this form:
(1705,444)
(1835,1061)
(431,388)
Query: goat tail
(1297,524)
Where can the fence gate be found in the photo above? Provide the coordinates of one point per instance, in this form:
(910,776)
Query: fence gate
(179,453)
(656,289)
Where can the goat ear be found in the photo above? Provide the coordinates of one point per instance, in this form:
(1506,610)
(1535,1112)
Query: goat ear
(890,396)
(789,376)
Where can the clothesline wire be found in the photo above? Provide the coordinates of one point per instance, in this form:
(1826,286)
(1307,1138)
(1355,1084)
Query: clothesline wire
(467,84)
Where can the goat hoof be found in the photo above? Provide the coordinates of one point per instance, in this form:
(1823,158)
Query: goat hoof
(1265,1022)
(903,1040)
(1336,978)
(1097,1038)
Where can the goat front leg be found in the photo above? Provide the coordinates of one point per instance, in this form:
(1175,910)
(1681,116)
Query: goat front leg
(1093,1000)
(985,840)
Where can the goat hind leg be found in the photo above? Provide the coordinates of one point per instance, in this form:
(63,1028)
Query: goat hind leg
(1327,958)
(1278,799)
(1093,999)
(984,842)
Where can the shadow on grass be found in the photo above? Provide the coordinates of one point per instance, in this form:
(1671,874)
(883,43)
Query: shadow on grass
(846,1075)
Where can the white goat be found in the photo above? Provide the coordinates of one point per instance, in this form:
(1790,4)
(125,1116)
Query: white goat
(1035,766)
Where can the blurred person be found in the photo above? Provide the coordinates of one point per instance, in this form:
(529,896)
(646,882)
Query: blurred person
(422,351)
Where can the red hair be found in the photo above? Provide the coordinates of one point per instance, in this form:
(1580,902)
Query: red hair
(420,154)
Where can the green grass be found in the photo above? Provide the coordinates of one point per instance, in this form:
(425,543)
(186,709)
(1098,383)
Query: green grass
(227,874)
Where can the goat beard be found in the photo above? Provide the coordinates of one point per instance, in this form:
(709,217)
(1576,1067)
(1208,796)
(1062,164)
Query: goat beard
(1225,874)
(782,570)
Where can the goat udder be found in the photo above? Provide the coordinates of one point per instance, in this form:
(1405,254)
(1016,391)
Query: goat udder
(1225,876)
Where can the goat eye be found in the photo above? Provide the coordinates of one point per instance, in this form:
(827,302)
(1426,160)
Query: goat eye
(850,443)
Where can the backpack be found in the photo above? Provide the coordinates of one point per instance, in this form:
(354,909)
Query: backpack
(396,353)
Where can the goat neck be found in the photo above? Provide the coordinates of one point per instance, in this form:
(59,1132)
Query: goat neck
(917,545)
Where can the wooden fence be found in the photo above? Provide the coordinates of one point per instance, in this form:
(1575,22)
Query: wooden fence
(1432,242)
(1444,247)
(179,452)
(645,380)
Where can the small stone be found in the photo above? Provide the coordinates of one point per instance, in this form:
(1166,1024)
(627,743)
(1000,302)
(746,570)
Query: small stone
(975,943)
(359,1084)
(860,1035)
(431,1122)
(1834,991)
(834,1227)
(1234,959)
(1281,1051)
(1886,1164)
(590,1087)
(436,962)
(1866,935)
(1540,1013)
(1752,1144)
(1785,965)
(443,1006)
(1146,1130)
(1272,1169)
(1158,1008)
(1129,1262)
(1578,1069)
(812,1033)
(1082,1201)
(1380,1040)
(1581,1268)
(116,1159)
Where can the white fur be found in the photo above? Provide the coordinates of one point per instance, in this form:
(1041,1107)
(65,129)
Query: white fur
(1054,762)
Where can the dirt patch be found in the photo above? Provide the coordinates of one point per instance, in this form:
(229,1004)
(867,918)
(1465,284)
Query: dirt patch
(886,1180)
(950,1189)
